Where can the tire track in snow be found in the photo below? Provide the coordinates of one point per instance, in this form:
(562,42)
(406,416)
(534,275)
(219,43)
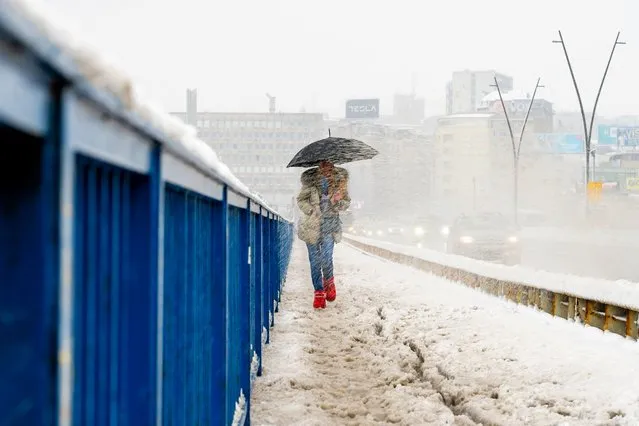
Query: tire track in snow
(454,401)
(418,368)
(476,397)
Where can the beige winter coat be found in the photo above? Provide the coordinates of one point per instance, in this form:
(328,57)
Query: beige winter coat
(308,201)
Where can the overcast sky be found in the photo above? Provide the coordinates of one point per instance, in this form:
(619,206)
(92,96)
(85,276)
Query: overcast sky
(316,54)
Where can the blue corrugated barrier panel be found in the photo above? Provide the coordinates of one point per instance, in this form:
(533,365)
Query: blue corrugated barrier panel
(267,299)
(115,314)
(194,309)
(138,284)
(237,303)
(257,287)
(27,283)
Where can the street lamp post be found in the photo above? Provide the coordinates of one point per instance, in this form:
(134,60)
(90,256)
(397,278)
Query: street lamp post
(516,146)
(588,129)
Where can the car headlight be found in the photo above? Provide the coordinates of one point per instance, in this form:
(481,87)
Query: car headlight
(419,231)
(351,230)
(380,233)
(445,230)
(389,230)
(513,239)
(466,239)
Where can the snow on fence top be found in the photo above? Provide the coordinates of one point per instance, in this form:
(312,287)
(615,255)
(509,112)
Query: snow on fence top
(620,293)
(98,78)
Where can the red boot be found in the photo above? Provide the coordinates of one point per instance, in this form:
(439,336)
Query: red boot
(319,302)
(329,288)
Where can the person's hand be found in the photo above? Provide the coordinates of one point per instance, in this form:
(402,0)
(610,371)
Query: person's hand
(337,197)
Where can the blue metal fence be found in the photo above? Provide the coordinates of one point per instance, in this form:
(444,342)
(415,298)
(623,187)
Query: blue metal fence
(136,287)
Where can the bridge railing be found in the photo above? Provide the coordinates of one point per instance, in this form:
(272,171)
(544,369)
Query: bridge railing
(138,278)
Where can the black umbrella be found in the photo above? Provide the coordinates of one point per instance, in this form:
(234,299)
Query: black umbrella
(334,150)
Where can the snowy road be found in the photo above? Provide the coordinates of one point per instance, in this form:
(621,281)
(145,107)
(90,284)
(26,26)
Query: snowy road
(403,347)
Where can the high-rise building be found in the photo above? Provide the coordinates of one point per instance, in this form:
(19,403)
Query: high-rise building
(467,88)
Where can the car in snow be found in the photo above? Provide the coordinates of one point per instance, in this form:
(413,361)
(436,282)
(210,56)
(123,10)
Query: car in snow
(365,227)
(394,232)
(429,231)
(347,219)
(485,236)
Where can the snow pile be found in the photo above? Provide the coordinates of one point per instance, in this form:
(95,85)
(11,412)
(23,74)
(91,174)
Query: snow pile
(99,70)
(405,347)
(255,365)
(240,410)
(620,292)
(104,75)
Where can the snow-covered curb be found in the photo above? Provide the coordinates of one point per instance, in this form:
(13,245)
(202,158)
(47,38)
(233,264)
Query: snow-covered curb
(97,77)
(621,293)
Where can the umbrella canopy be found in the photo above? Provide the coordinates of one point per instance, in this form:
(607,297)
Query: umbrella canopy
(334,150)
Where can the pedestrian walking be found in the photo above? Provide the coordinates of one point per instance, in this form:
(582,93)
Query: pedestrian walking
(323,196)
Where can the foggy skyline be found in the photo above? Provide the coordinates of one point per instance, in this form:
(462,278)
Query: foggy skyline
(316,55)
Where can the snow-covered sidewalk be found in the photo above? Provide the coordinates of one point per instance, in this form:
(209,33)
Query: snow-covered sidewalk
(400,346)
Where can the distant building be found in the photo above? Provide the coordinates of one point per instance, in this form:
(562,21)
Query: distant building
(397,181)
(258,146)
(462,167)
(467,88)
(541,118)
(473,166)
(572,122)
(408,109)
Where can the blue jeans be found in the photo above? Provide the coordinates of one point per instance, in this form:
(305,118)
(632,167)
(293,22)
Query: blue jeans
(321,257)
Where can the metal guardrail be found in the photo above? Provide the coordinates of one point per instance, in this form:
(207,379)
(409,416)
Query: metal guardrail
(605,316)
(137,287)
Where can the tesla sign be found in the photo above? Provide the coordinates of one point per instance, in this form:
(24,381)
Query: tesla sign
(362,108)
